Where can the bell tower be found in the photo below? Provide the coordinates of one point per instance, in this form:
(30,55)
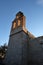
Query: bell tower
(18,23)
(17,46)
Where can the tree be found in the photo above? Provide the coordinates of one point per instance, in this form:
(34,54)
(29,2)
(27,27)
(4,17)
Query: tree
(3,50)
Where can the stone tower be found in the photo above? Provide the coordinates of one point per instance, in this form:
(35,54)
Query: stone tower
(18,41)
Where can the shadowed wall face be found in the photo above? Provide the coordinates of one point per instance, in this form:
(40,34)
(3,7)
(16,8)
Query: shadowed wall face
(17,49)
(36,51)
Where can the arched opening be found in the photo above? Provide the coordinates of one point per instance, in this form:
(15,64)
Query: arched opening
(18,22)
(14,25)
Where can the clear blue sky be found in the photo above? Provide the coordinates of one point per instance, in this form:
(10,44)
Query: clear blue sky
(32,9)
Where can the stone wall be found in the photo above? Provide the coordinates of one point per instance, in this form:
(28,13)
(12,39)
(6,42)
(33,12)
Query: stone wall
(35,51)
(17,49)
